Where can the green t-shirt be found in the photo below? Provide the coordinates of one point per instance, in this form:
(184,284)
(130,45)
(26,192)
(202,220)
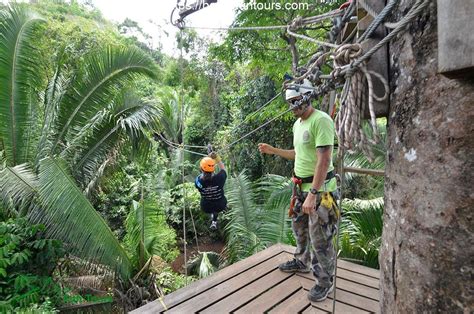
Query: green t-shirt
(317,130)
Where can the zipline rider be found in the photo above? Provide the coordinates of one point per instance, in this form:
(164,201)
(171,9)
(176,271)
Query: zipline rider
(314,226)
(211,187)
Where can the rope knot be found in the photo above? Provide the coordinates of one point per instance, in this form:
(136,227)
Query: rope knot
(296,23)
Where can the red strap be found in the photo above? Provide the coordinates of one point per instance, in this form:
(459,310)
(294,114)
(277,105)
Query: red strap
(296,181)
(345,5)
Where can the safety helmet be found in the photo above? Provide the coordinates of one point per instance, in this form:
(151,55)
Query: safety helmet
(207,164)
(293,92)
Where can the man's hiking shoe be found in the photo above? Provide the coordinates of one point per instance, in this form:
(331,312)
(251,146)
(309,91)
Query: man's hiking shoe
(318,293)
(213,225)
(294,266)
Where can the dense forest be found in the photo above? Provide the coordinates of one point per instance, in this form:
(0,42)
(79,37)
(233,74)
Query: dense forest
(98,197)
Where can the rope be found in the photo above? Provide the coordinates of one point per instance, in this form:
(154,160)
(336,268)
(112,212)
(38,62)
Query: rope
(298,22)
(379,17)
(182,158)
(164,139)
(419,6)
(348,121)
(341,172)
(179,146)
(195,232)
(239,28)
(319,42)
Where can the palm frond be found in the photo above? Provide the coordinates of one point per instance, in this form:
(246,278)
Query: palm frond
(148,233)
(171,120)
(241,197)
(68,216)
(361,230)
(276,224)
(241,231)
(51,98)
(18,186)
(105,73)
(128,122)
(204,264)
(359,160)
(19,76)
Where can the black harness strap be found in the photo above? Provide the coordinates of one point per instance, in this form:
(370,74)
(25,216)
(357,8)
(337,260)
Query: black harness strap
(331,174)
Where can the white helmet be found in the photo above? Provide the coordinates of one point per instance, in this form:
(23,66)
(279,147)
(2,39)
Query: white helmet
(293,92)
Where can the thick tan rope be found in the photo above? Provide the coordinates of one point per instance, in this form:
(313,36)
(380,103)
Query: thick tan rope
(349,119)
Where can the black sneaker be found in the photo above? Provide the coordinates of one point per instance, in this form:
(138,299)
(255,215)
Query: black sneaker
(318,293)
(294,266)
(213,225)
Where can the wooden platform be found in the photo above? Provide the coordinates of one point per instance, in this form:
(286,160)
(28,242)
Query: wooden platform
(255,285)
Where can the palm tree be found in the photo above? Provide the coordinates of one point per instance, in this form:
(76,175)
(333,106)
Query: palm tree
(50,163)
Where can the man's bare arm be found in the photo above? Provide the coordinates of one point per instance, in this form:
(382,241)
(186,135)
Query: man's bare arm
(284,153)
(324,154)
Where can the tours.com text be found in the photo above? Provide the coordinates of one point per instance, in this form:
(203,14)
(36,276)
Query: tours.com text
(270,5)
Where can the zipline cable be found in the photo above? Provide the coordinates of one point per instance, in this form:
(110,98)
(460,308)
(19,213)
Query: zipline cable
(256,129)
(178,146)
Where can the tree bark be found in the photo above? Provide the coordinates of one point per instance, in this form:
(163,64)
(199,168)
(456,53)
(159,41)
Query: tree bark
(426,256)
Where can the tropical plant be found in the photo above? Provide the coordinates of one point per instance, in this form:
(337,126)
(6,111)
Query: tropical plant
(204,264)
(363,186)
(361,231)
(27,261)
(148,234)
(86,120)
(258,215)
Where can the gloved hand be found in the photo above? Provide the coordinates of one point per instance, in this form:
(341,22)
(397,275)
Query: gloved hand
(215,156)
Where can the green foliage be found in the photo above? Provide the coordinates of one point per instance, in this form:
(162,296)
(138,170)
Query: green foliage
(258,215)
(250,98)
(71,217)
(27,261)
(84,118)
(170,281)
(364,186)
(18,66)
(361,231)
(267,51)
(186,195)
(148,233)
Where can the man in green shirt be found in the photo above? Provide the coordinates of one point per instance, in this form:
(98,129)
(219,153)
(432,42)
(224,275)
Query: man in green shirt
(314,226)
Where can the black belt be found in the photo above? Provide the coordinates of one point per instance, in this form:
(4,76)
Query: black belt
(331,174)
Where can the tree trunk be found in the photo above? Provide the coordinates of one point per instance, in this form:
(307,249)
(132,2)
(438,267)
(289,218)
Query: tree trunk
(427,243)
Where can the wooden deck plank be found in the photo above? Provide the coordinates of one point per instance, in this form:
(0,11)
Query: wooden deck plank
(375,273)
(255,285)
(203,300)
(346,297)
(341,308)
(357,277)
(271,297)
(293,304)
(199,286)
(352,287)
(312,310)
(249,292)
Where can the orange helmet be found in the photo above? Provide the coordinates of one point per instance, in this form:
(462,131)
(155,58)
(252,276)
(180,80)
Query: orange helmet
(207,164)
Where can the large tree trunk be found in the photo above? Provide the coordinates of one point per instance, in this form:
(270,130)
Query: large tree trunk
(427,249)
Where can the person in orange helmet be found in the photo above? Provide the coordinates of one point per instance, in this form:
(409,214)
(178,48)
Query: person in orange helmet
(211,187)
